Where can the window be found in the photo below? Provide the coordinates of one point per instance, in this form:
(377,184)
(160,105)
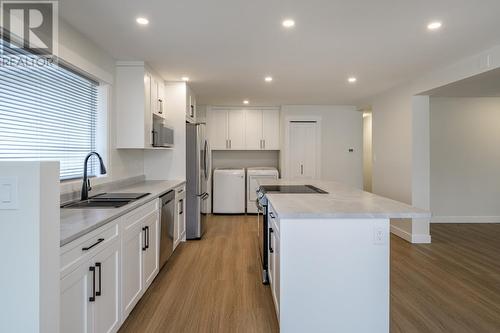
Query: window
(47,113)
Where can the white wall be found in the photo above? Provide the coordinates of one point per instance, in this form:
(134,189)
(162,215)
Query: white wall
(342,128)
(367,152)
(393,137)
(81,53)
(465,159)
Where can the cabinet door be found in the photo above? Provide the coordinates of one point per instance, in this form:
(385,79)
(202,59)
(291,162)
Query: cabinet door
(182,219)
(76,309)
(271,129)
(236,129)
(133,243)
(302,160)
(106,306)
(148,123)
(270,269)
(253,130)
(276,279)
(152,252)
(217,123)
(154,95)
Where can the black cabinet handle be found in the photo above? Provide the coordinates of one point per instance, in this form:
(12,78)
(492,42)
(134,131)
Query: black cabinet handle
(272,215)
(181,206)
(147,235)
(144,239)
(91,246)
(92,298)
(270,243)
(98,265)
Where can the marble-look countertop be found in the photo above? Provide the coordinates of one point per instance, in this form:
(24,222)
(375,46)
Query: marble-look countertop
(77,222)
(342,201)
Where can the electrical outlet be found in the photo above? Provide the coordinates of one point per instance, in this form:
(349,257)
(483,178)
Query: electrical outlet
(379,236)
(8,193)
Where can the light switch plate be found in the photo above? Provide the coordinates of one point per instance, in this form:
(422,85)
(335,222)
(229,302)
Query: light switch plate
(8,193)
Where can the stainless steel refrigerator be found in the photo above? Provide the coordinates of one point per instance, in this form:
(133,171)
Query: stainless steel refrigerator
(198,170)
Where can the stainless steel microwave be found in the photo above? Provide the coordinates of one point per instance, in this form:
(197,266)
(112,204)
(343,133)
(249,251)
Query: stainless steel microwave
(163,136)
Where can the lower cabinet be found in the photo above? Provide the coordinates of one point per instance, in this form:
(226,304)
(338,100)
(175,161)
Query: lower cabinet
(274,259)
(90,294)
(106,272)
(140,254)
(180,217)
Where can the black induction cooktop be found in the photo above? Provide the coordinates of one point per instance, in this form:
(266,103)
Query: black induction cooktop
(291,189)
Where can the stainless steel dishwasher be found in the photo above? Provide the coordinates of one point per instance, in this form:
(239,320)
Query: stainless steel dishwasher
(167,226)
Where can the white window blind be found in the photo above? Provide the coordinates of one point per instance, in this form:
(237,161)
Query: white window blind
(47,113)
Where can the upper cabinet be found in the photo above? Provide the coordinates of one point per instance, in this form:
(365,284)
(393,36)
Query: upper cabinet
(243,129)
(190,105)
(139,100)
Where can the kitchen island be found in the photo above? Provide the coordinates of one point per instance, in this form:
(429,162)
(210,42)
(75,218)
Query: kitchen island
(329,257)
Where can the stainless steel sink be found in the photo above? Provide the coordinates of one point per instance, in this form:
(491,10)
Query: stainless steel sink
(91,203)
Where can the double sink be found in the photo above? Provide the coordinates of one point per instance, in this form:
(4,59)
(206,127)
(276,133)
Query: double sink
(106,200)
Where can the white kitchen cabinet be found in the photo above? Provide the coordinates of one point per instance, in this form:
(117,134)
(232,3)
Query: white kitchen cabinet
(139,100)
(244,129)
(180,217)
(236,129)
(217,128)
(107,306)
(271,129)
(262,129)
(90,294)
(140,253)
(253,129)
(152,252)
(274,258)
(76,309)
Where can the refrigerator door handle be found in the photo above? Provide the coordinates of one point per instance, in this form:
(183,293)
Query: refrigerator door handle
(205,164)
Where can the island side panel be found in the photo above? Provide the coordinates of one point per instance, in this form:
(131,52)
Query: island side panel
(334,275)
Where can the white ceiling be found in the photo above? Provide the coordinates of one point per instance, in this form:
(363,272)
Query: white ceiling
(227,46)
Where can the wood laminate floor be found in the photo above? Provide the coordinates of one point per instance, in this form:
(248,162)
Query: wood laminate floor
(213,285)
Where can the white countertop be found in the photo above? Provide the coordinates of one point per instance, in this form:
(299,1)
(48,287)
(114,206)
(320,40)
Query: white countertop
(78,222)
(342,201)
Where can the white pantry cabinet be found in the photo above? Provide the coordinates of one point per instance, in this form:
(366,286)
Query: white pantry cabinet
(243,129)
(180,217)
(139,100)
(140,253)
(90,293)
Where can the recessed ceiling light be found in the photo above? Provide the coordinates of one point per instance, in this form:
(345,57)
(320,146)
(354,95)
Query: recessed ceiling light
(268,79)
(185,78)
(142,21)
(246,101)
(352,79)
(434,25)
(288,23)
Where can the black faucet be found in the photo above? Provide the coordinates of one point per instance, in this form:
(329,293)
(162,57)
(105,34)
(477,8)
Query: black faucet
(86,181)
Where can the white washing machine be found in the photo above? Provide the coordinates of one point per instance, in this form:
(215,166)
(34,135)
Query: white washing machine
(253,174)
(229,191)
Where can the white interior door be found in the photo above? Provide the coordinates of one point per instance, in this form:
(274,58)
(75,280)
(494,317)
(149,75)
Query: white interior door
(253,129)
(302,150)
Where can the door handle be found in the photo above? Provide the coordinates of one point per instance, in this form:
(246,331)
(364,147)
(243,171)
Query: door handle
(264,143)
(144,239)
(92,298)
(301,169)
(271,250)
(147,237)
(272,215)
(98,264)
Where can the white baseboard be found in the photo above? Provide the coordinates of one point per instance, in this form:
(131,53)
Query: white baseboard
(412,238)
(465,219)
